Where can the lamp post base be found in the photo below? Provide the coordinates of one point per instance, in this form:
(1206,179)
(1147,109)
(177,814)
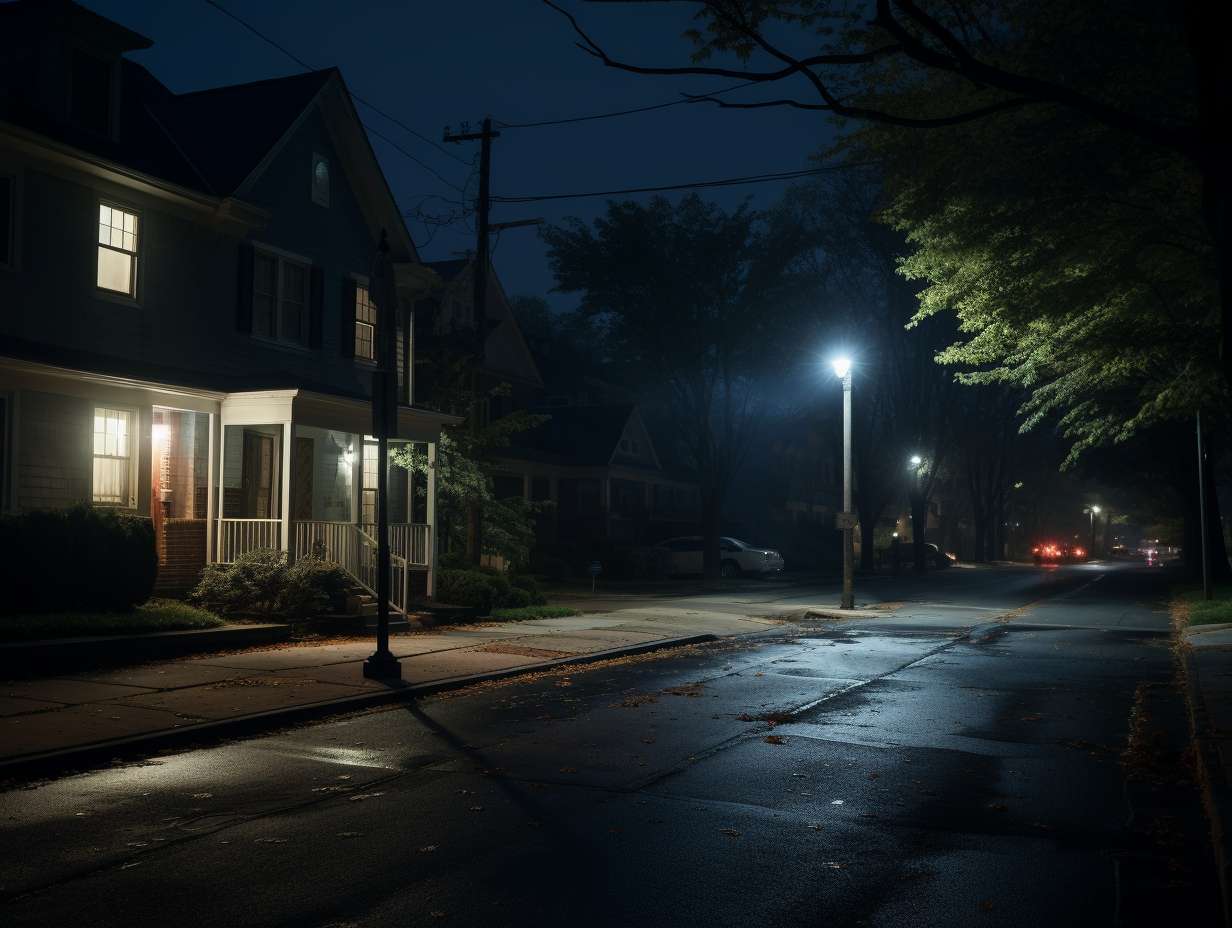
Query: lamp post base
(382,666)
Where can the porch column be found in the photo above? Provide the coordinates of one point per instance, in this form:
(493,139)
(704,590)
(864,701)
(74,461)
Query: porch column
(213,458)
(357,477)
(288,442)
(219,469)
(431,518)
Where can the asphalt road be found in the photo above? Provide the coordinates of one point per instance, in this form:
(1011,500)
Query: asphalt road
(957,764)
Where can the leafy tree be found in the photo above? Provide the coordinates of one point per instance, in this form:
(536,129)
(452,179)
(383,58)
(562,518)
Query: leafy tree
(695,300)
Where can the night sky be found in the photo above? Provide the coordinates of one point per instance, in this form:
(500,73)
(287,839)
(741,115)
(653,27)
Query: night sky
(437,63)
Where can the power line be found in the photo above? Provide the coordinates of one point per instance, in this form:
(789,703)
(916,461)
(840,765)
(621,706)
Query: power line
(692,185)
(639,109)
(356,97)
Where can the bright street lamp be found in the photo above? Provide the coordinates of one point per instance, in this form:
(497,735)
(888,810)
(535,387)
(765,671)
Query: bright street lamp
(916,460)
(1092,511)
(846,519)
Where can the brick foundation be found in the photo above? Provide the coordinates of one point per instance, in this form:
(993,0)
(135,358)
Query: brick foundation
(181,556)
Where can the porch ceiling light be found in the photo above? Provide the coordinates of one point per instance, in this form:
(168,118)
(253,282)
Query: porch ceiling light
(841,365)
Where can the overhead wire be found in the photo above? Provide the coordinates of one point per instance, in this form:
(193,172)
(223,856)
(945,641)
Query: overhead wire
(356,97)
(690,185)
(688,98)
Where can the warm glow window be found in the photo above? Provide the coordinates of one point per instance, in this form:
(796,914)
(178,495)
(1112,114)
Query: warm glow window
(117,249)
(113,457)
(365,324)
(368,495)
(279,298)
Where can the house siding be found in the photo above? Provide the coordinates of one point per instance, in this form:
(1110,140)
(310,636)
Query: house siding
(54,467)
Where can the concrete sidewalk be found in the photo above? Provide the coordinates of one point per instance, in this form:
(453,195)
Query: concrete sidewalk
(1208,670)
(87,716)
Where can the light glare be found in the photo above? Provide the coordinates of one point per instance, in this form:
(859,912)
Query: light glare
(842,366)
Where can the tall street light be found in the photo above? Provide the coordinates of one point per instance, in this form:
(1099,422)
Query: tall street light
(1093,511)
(842,370)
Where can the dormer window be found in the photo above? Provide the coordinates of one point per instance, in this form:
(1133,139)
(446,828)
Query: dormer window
(90,104)
(320,180)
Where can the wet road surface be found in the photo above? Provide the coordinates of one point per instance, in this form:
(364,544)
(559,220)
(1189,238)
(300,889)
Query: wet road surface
(950,765)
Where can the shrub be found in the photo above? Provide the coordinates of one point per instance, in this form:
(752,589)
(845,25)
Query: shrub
(76,559)
(531,586)
(470,588)
(533,612)
(480,589)
(261,581)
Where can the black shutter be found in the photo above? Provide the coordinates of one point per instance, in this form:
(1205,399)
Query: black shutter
(346,332)
(243,302)
(316,299)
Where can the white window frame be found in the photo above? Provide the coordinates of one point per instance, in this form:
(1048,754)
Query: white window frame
(281,259)
(134,452)
(319,197)
(135,254)
(361,283)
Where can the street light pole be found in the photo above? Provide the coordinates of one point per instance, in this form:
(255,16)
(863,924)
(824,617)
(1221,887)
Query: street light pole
(1206,566)
(1094,511)
(842,367)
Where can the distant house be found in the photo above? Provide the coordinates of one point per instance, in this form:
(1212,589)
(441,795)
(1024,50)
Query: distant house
(597,464)
(594,458)
(186,331)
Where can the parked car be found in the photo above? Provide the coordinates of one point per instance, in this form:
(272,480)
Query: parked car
(736,557)
(934,557)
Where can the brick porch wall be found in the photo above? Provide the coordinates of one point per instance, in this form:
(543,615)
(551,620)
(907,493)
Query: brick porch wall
(181,556)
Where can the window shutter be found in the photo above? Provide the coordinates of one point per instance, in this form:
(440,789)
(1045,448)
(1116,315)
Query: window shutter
(243,303)
(346,335)
(316,299)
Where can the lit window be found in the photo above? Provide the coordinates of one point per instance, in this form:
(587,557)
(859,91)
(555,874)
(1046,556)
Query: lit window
(113,457)
(365,324)
(279,298)
(320,180)
(368,496)
(117,250)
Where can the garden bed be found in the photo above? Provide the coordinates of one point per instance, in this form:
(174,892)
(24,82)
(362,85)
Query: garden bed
(524,613)
(155,615)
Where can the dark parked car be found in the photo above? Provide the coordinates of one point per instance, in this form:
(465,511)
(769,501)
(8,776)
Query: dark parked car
(934,557)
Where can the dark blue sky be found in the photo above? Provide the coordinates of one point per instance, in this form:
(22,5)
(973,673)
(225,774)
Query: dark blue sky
(431,63)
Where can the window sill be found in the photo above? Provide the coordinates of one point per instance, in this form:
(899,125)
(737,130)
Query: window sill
(115,296)
(293,347)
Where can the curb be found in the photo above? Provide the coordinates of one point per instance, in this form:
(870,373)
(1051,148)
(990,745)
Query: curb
(1216,797)
(837,613)
(83,757)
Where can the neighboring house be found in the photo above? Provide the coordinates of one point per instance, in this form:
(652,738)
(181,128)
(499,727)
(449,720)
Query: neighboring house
(593,459)
(598,467)
(185,327)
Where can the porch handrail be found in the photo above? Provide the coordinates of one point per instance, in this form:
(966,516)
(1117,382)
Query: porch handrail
(239,536)
(409,540)
(399,572)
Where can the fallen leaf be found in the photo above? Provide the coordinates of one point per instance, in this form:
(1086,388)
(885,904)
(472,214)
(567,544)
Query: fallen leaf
(129,866)
(350,834)
(833,865)
(874,776)
(1029,717)
(568,769)
(997,807)
(360,797)
(270,841)
(986,906)
(836,802)
(730,832)
(202,795)
(774,739)
(437,913)
(427,849)
(476,808)
(814,828)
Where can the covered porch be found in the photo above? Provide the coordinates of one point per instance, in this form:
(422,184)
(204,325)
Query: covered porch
(298,473)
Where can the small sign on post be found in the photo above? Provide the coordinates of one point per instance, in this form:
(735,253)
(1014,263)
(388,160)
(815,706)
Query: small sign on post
(595,569)
(844,520)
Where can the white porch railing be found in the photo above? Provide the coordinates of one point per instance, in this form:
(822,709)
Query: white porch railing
(354,548)
(239,536)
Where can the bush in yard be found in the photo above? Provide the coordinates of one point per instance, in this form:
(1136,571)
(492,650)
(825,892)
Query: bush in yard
(480,589)
(313,586)
(528,583)
(260,581)
(83,558)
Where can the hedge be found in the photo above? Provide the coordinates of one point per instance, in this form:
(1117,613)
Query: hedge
(484,590)
(82,558)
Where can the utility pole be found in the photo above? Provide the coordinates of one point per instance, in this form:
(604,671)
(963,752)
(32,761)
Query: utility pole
(1206,563)
(479,295)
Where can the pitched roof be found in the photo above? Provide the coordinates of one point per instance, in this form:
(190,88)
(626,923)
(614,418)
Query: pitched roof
(579,435)
(227,131)
(451,269)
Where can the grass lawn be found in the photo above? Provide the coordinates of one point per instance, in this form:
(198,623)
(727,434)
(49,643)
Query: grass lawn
(533,612)
(156,615)
(1209,612)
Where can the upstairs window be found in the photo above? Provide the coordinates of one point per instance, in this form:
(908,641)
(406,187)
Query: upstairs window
(117,250)
(365,324)
(279,298)
(113,457)
(320,180)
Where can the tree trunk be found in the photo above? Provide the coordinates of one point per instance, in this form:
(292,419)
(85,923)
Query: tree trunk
(712,505)
(869,515)
(1217,553)
(981,538)
(919,527)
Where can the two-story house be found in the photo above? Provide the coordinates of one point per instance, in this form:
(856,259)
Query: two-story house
(186,331)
